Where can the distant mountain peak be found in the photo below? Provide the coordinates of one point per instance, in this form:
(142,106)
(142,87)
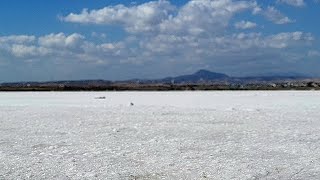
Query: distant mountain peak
(199,76)
(202,71)
(205,74)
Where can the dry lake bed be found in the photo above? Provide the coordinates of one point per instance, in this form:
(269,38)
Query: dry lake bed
(160,135)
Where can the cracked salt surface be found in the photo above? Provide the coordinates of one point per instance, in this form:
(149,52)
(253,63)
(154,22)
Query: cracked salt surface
(165,135)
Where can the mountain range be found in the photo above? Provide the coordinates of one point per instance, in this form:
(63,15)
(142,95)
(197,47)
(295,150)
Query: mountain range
(205,76)
(200,77)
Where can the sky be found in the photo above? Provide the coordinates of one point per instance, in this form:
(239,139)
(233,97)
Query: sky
(116,40)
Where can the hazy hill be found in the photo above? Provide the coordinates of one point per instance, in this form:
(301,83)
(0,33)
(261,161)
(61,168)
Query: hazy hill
(199,76)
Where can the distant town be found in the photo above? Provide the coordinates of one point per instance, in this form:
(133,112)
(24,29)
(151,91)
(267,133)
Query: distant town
(201,80)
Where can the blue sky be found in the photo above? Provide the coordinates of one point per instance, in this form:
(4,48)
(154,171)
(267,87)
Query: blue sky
(109,39)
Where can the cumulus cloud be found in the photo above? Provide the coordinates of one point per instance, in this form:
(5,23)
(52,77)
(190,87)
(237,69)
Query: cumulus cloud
(245,25)
(179,46)
(22,51)
(137,18)
(275,16)
(195,30)
(196,16)
(56,45)
(60,40)
(204,17)
(297,3)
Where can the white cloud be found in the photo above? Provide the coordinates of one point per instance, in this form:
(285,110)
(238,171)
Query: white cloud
(58,46)
(17,39)
(197,30)
(179,46)
(186,47)
(283,40)
(139,18)
(60,40)
(195,17)
(245,25)
(22,51)
(275,16)
(204,17)
(314,53)
(297,3)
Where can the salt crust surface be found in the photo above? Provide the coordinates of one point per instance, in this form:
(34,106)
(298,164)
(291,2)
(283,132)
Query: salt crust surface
(164,135)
